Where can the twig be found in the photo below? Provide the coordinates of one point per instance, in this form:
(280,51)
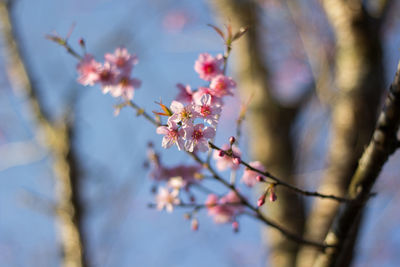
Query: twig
(278,181)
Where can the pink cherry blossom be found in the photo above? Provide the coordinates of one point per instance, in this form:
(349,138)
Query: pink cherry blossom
(185,93)
(125,87)
(225,209)
(167,199)
(107,77)
(198,136)
(225,161)
(122,60)
(201,91)
(172,135)
(208,111)
(222,85)
(88,70)
(184,114)
(207,66)
(249,177)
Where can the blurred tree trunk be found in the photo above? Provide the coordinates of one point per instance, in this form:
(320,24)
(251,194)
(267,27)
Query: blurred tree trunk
(57,137)
(269,124)
(360,83)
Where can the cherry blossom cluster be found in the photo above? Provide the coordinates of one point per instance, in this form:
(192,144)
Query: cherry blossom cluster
(194,115)
(114,75)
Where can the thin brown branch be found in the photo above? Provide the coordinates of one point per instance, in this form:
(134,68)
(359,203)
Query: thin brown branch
(280,182)
(243,200)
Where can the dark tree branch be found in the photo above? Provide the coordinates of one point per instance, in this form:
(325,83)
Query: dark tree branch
(381,146)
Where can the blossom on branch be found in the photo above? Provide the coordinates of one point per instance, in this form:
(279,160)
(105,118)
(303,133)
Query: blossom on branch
(207,66)
(224,209)
(88,70)
(172,135)
(250,178)
(222,85)
(167,199)
(197,136)
(224,161)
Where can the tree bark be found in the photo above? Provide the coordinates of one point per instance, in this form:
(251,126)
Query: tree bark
(383,143)
(269,126)
(57,137)
(360,82)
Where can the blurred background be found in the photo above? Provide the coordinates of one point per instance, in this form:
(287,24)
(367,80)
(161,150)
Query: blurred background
(109,152)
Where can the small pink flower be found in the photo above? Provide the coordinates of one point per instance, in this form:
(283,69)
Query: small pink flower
(224,162)
(225,209)
(185,93)
(208,111)
(167,199)
(222,85)
(125,87)
(201,91)
(249,177)
(88,70)
(207,66)
(198,136)
(172,135)
(107,77)
(184,114)
(122,60)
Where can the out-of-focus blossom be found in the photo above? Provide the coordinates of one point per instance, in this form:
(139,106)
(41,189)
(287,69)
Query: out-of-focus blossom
(185,93)
(125,88)
(88,70)
(249,177)
(197,136)
(224,209)
(222,85)
(175,20)
(122,60)
(166,199)
(207,66)
(225,161)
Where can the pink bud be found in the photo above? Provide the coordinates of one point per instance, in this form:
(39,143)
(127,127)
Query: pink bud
(81,42)
(272,196)
(235,226)
(236,160)
(261,201)
(221,153)
(195,225)
(259,178)
(232,140)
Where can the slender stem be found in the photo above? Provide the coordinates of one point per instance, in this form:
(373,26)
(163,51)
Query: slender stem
(243,200)
(278,181)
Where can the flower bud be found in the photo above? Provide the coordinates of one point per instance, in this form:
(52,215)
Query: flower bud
(235,226)
(195,224)
(261,200)
(272,196)
(236,160)
(221,153)
(232,140)
(259,178)
(82,42)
